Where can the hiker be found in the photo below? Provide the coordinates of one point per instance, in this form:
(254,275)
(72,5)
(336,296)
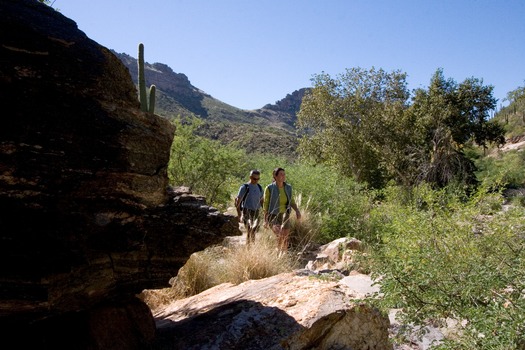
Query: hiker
(248,203)
(277,205)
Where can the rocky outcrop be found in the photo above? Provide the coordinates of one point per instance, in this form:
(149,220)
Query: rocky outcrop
(291,104)
(87,220)
(287,311)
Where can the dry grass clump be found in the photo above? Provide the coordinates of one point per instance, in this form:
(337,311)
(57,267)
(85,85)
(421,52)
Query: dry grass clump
(256,261)
(200,272)
(194,277)
(237,264)
(216,265)
(156,298)
(304,231)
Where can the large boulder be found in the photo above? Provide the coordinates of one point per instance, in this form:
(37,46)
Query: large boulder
(87,220)
(286,311)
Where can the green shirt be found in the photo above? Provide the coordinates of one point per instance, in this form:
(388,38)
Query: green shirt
(277,200)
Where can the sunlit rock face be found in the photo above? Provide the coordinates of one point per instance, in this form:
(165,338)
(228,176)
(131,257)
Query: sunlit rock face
(87,221)
(286,311)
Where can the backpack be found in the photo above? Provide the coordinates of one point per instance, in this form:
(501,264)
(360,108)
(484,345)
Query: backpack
(246,190)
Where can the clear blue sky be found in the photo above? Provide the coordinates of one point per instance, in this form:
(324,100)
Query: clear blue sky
(248,53)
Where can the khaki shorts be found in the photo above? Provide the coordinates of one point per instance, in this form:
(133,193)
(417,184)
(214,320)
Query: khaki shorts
(281,219)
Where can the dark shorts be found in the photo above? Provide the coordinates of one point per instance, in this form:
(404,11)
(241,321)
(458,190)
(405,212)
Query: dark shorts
(249,217)
(281,219)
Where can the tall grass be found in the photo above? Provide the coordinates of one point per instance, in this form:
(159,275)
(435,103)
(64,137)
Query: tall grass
(218,264)
(306,231)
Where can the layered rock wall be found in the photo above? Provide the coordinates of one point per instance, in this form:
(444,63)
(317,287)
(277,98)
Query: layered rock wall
(87,221)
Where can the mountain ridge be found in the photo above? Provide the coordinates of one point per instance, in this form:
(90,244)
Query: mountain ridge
(270,129)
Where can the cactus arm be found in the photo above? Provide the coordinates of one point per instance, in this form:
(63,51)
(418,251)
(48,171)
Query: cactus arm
(152,90)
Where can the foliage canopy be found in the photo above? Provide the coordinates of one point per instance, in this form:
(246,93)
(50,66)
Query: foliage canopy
(364,123)
(206,166)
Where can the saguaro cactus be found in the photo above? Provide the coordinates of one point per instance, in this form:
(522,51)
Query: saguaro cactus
(143,97)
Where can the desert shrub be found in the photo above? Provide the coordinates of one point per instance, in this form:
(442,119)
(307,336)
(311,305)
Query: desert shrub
(487,200)
(517,197)
(339,203)
(346,216)
(503,169)
(440,258)
(206,166)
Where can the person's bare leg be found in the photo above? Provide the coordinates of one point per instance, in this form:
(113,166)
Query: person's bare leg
(250,238)
(247,228)
(285,234)
(277,230)
(254,227)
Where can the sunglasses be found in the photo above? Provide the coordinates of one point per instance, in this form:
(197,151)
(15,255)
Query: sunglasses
(256,178)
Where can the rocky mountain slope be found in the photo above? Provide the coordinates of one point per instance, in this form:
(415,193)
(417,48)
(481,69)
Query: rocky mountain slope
(270,129)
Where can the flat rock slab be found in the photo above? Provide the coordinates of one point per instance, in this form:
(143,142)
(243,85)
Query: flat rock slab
(286,311)
(362,285)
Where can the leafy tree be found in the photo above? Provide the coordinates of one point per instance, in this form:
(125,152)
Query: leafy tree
(353,120)
(206,166)
(452,116)
(517,98)
(362,123)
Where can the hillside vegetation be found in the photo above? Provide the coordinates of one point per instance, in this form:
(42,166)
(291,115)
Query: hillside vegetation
(503,167)
(512,117)
(270,129)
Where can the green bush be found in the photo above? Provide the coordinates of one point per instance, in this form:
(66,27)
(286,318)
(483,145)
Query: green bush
(340,203)
(503,169)
(206,166)
(448,259)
